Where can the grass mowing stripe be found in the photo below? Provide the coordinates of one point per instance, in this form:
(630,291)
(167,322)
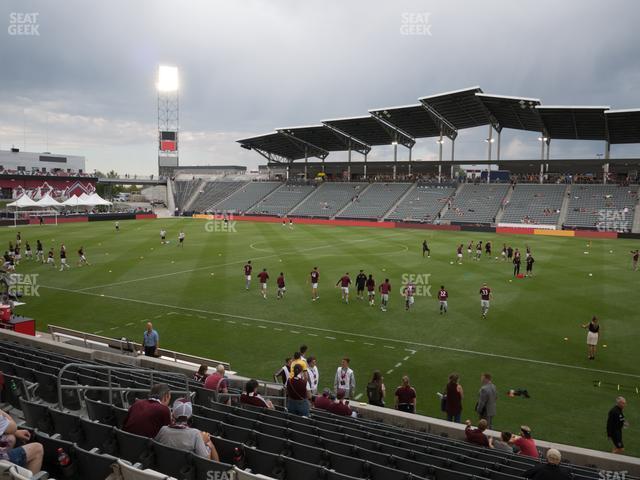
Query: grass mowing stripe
(360,335)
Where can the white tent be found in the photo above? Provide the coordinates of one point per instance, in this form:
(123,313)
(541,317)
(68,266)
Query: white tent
(48,201)
(23,202)
(73,201)
(98,200)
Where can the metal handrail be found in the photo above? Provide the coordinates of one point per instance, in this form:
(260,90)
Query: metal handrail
(111,388)
(127,346)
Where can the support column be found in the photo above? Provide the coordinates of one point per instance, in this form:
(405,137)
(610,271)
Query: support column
(489,141)
(541,173)
(323,165)
(287,172)
(409,167)
(498,149)
(440,143)
(395,159)
(365,166)
(349,164)
(453,146)
(607,152)
(306,161)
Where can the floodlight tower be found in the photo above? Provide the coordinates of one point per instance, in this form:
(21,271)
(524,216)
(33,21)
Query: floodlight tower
(168,118)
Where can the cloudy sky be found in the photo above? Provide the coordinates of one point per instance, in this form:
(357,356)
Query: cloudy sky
(86,84)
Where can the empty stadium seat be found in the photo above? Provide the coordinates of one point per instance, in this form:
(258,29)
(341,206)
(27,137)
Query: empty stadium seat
(476,203)
(282,200)
(422,203)
(328,199)
(171,461)
(134,448)
(98,435)
(37,416)
(375,201)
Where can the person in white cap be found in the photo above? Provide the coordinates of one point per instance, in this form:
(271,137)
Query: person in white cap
(180,435)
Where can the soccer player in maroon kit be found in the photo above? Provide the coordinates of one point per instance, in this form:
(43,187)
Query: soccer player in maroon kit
(248,268)
(408,291)
(263,276)
(344,283)
(315,276)
(371,289)
(485,296)
(634,259)
(459,253)
(443,295)
(384,288)
(281,288)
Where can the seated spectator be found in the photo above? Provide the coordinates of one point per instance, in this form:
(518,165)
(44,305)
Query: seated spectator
(323,401)
(201,375)
(525,443)
(147,417)
(219,383)
(477,435)
(503,443)
(27,456)
(550,470)
(340,407)
(180,435)
(406,397)
(251,396)
(298,393)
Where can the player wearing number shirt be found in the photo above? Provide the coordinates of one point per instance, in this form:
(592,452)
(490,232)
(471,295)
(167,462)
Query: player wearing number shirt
(63,258)
(281,288)
(409,292)
(384,288)
(371,289)
(459,253)
(344,283)
(479,250)
(443,295)
(469,249)
(485,296)
(82,258)
(315,276)
(634,259)
(487,248)
(248,268)
(39,251)
(50,258)
(263,276)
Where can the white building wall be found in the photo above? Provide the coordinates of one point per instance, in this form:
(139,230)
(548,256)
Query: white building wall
(30,161)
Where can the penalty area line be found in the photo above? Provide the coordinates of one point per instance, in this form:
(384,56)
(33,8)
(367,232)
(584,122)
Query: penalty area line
(347,334)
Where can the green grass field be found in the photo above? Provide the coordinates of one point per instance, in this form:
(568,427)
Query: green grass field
(196,298)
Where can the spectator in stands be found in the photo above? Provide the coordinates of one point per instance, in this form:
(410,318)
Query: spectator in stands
(376,389)
(615,424)
(323,401)
(453,404)
(298,393)
(27,456)
(487,399)
(298,360)
(340,406)
(345,379)
(150,341)
(219,383)
(503,443)
(147,417)
(477,435)
(201,375)
(550,470)
(180,435)
(525,443)
(283,374)
(313,375)
(251,396)
(406,396)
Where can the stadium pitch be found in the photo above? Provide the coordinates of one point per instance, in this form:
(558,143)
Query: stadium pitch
(532,338)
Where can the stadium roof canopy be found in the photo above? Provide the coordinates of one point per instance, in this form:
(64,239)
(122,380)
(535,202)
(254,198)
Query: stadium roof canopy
(574,123)
(518,113)
(280,147)
(370,130)
(326,138)
(623,125)
(459,108)
(415,120)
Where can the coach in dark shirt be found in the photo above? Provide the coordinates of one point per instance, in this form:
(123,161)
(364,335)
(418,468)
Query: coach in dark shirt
(615,424)
(147,417)
(550,470)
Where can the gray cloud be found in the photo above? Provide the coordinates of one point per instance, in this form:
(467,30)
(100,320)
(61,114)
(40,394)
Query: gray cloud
(87,82)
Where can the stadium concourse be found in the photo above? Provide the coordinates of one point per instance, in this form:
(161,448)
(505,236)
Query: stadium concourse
(72,396)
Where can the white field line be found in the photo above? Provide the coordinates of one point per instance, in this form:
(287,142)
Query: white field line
(348,334)
(180,272)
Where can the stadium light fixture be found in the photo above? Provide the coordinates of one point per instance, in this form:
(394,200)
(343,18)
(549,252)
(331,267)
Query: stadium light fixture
(440,141)
(167,79)
(542,139)
(489,140)
(394,143)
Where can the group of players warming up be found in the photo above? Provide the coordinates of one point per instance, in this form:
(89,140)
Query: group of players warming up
(508,254)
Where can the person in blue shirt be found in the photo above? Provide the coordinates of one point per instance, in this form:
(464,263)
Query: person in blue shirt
(151,341)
